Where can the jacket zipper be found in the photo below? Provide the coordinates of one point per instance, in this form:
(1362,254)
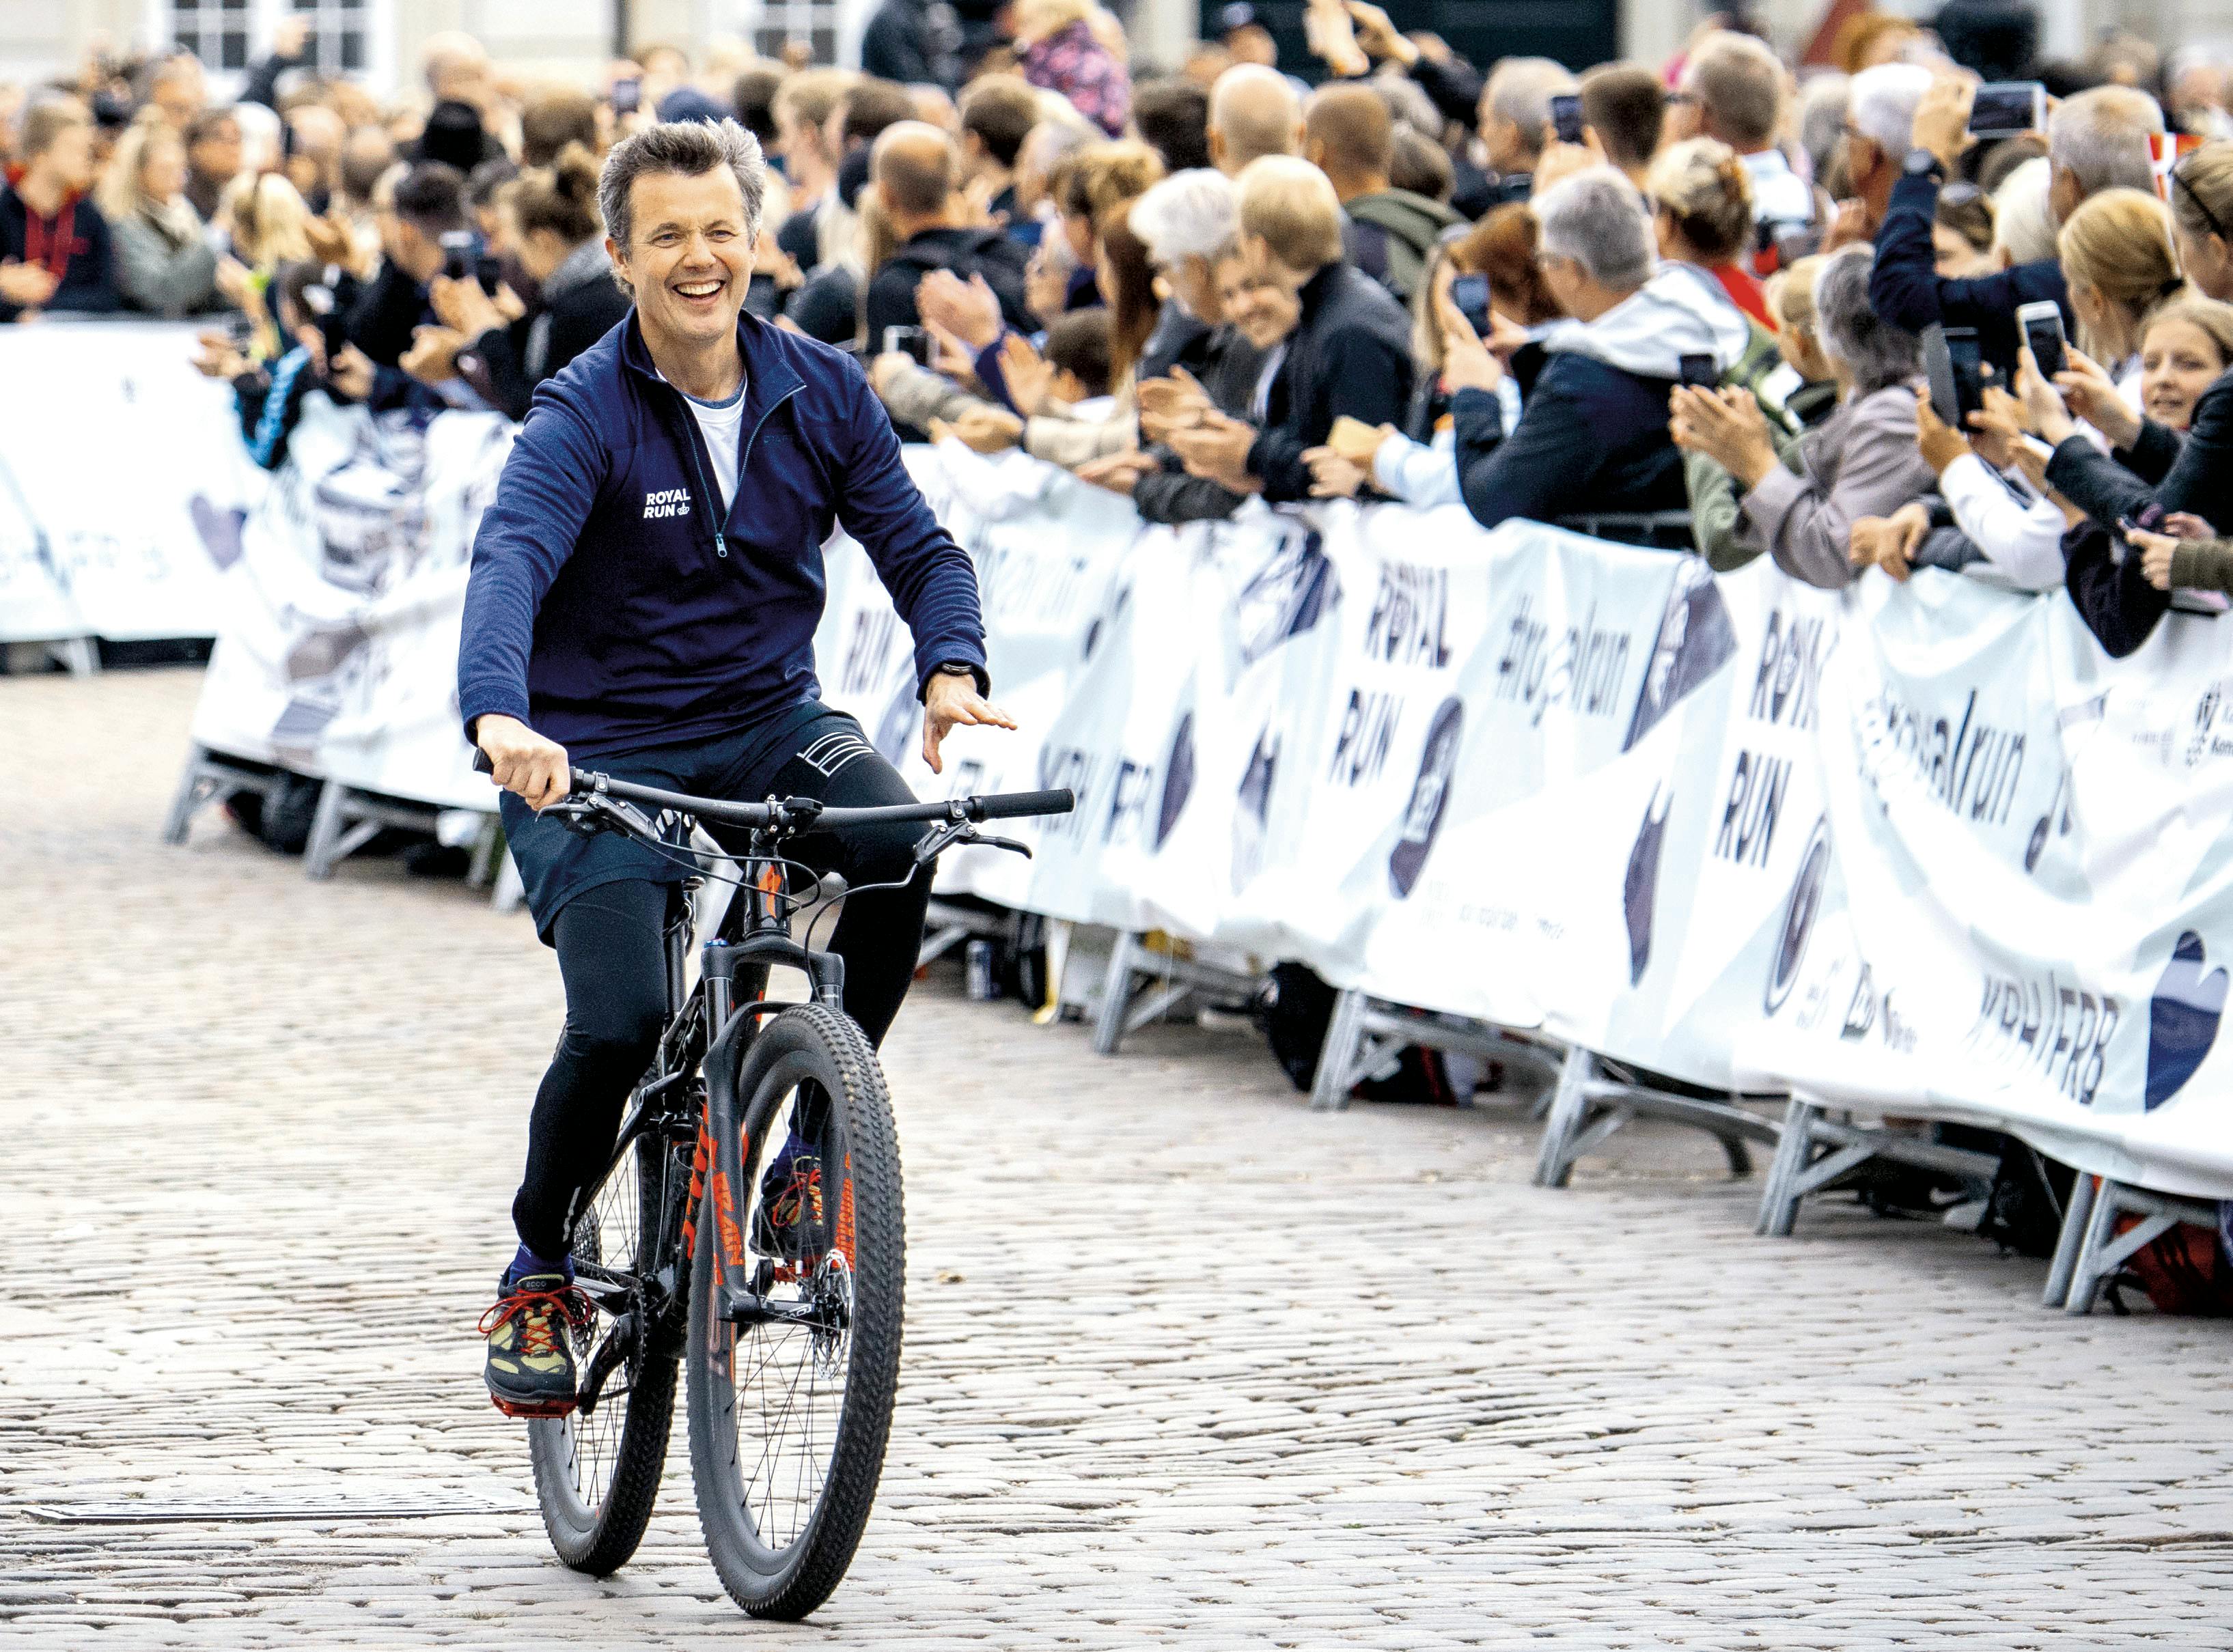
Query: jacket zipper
(691,432)
(690,435)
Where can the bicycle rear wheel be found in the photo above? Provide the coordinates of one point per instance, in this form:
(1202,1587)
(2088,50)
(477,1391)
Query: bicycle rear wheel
(597,1474)
(790,1404)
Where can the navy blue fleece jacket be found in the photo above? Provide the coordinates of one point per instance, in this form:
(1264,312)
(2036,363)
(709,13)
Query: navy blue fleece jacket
(1906,288)
(613,605)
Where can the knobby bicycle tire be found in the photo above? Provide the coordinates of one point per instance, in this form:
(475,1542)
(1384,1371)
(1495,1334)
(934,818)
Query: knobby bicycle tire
(596,1529)
(790,1569)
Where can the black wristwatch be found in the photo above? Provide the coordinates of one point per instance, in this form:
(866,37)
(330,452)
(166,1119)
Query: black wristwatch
(1921,163)
(962,668)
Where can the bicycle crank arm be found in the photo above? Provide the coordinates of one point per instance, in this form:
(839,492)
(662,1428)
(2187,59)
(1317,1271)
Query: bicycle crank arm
(605,1362)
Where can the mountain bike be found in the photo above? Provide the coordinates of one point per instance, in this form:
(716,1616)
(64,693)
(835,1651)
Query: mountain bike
(747,1234)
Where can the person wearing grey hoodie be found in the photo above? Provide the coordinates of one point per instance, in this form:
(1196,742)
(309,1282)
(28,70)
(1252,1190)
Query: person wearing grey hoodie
(1798,502)
(1592,430)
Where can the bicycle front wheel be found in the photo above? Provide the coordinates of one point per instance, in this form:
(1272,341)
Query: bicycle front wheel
(790,1388)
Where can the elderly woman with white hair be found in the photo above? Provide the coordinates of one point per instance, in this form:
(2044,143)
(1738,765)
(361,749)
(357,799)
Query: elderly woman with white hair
(1183,220)
(1861,461)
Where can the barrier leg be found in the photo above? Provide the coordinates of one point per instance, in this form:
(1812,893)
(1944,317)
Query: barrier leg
(2069,1243)
(320,853)
(1116,995)
(193,791)
(79,656)
(1570,1106)
(1779,1199)
(2107,1250)
(1337,1060)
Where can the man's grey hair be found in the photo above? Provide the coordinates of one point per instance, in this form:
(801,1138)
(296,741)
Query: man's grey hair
(1187,215)
(1823,102)
(687,149)
(1881,105)
(1597,218)
(1875,352)
(2101,137)
(1739,85)
(1520,89)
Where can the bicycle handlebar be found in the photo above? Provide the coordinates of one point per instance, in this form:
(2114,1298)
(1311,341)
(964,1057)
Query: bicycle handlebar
(802,813)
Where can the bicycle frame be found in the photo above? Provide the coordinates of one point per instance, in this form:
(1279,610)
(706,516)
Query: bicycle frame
(729,999)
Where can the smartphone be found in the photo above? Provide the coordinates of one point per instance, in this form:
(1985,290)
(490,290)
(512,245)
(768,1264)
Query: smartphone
(459,254)
(325,310)
(914,342)
(2004,108)
(2041,327)
(1955,367)
(628,95)
(1470,295)
(1566,117)
(1512,186)
(1697,369)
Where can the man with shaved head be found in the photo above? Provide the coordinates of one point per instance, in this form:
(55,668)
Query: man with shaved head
(1253,112)
(1349,135)
(916,172)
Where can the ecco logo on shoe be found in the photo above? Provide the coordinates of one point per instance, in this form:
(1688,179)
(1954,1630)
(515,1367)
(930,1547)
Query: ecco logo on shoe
(668,502)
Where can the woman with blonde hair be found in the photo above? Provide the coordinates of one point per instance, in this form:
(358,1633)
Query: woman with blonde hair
(1060,50)
(164,265)
(269,226)
(2118,258)
(1701,200)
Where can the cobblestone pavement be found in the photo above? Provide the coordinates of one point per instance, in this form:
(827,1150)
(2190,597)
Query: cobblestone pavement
(1185,1360)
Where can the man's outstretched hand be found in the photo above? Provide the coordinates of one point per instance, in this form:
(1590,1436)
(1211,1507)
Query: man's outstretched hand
(523,761)
(949,703)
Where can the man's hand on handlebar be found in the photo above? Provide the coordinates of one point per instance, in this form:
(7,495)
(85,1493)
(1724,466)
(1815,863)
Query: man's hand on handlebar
(949,702)
(523,761)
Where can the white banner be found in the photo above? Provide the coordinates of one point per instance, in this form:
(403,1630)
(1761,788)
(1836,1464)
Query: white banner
(339,656)
(1918,848)
(123,482)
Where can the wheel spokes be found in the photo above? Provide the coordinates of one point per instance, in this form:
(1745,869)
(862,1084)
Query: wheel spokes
(787,1379)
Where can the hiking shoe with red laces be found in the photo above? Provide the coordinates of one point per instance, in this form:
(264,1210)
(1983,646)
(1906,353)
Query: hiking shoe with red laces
(787,1223)
(530,1355)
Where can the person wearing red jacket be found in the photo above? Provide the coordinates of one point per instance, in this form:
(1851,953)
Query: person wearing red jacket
(54,249)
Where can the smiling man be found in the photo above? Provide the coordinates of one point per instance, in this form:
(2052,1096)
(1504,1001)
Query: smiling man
(644,595)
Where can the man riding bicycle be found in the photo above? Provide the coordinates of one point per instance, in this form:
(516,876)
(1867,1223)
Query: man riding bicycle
(645,591)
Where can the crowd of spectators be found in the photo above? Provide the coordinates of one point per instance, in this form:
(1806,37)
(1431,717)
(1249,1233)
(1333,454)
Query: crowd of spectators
(1716,290)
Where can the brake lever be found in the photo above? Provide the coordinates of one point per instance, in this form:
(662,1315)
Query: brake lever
(964,834)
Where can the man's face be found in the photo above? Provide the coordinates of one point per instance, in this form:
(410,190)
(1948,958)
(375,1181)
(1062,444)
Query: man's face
(1264,313)
(217,154)
(1685,116)
(1264,268)
(180,92)
(689,258)
(69,159)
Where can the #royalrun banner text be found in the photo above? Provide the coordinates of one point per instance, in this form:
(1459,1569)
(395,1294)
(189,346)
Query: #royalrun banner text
(1920,849)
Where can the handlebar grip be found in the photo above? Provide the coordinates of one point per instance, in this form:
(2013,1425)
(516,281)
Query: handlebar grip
(1013,804)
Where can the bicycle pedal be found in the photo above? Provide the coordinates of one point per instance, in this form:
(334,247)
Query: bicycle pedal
(553,1409)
